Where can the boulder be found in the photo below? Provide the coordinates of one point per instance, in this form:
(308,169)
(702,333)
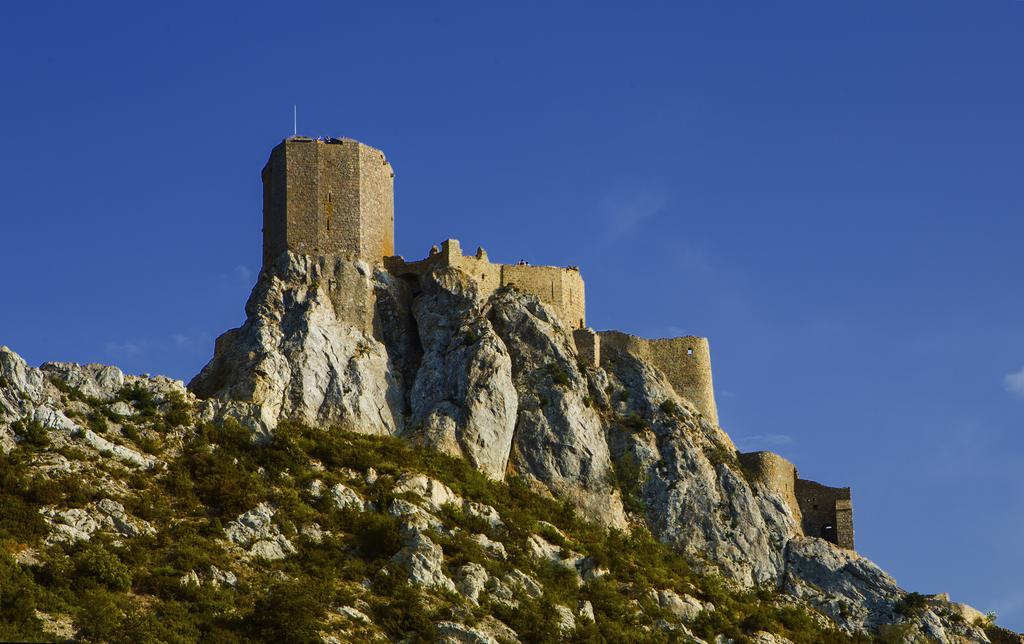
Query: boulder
(258,535)
(423,561)
(471,581)
(345,497)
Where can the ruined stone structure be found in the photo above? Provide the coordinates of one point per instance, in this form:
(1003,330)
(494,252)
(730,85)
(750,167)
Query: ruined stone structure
(560,288)
(821,511)
(827,512)
(588,346)
(330,196)
(685,362)
(335,197)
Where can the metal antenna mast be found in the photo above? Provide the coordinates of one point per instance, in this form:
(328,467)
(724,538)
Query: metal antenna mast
(295,123)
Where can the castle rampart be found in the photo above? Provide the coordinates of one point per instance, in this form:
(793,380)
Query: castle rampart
(560,288)
(775,473)
(323,197)
(685,363)
(820,510)
(588,346)
(827,512)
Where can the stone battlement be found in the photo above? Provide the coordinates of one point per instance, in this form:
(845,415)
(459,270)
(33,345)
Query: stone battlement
(560,288)
(820,510)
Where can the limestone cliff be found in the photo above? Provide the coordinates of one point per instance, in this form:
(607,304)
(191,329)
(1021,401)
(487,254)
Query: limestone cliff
(497,380)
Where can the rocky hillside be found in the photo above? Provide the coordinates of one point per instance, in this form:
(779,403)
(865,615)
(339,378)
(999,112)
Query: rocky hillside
(371,458)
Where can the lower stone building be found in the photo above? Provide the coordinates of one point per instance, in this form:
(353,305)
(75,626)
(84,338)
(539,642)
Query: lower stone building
(820,510)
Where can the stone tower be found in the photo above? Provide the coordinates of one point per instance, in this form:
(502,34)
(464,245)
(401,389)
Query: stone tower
(328,196)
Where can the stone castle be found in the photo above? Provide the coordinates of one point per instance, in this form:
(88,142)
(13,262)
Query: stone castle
(336,196)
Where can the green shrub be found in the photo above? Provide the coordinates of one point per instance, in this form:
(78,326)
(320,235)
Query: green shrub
(20,519)
(95,565)
(139,397)
(634,423)
(375,536)
(406,615)
(558,374)
(31,432)
(97,422)
(180,412)
(99,615)
(19,597)
(169,621)
(629,478)
(670,408)
(912,605)
(288,612)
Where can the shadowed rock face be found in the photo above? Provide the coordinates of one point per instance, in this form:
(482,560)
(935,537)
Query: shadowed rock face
(497,380)
(463,400)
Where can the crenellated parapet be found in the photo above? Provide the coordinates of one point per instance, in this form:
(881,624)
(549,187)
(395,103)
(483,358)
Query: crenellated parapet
(560,288)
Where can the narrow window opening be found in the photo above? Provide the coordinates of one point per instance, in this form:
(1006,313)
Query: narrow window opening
(330,209)
(689,352)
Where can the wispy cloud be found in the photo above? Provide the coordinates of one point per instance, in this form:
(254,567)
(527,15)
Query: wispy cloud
(760,441)
(181,340)
(1014,383)
(124,349)
(624,212)
(240,273)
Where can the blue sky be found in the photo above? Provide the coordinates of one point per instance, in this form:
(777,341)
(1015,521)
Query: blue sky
(831,191)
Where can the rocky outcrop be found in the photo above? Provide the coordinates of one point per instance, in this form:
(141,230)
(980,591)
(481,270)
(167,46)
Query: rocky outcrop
(497,380)
(79,524)
(685,475)
(559,437)
(53,398)
(307,350)
(335,342)
(423,560)
(861,597)
(463,400)
(257,534)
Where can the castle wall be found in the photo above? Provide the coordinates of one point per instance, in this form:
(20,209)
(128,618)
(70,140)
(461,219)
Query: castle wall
(560,288)
(588,346)
(327,197)
(376,204)
(335,214)
(775,473)
(827,512)
(685,363)
(275,233)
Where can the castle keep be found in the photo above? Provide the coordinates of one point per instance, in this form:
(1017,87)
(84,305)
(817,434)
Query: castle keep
(336,197)
(322,197)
